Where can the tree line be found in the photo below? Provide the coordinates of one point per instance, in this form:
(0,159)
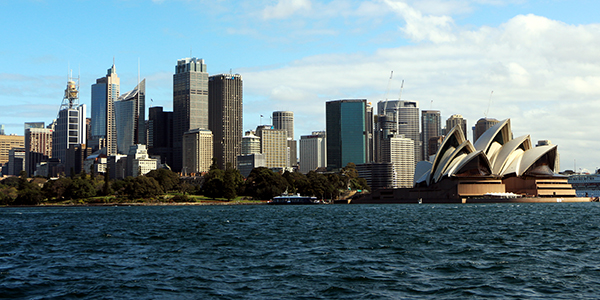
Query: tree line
(261,184)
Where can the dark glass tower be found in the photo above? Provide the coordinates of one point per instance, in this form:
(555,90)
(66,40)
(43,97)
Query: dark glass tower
(347,138)
(190,102)
(225,107)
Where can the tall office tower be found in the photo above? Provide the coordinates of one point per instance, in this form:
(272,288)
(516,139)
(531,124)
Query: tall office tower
(16,161)
(399,151)
(197,151)
(284,120)
(434,144)
(482,126)
(69,130)
(104,93)
(431,126)
(130,118)
(8,142)
(347,139)
(454,120)
(76,156)
(273,144)
(190,103)
(402,117)
(370,133)
(1,129)
(38,148)
(250,143)
(160,134)
(225,117)
(313,151)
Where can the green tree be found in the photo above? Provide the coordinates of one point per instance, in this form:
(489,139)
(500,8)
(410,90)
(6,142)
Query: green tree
(168,179)
(232,183)
(213,186)
(142,187)
(28,193)
(56,188)
(264,184)
(80,188)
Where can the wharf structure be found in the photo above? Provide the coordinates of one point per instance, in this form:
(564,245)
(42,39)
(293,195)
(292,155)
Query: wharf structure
(497,168)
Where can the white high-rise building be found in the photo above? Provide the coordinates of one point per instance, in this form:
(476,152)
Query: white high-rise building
(70,128)
(402,118)
(313,151)
(400,151)
(197,151)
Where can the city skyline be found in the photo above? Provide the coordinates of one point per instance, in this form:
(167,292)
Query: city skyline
(538,59)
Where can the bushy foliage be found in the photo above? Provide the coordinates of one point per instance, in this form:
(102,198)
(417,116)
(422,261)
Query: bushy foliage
(168,179)
(264,184)
(142,187)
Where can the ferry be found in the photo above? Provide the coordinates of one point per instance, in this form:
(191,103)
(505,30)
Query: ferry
(586,185)
(293,199)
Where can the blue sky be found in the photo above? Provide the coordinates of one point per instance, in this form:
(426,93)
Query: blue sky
(540,58)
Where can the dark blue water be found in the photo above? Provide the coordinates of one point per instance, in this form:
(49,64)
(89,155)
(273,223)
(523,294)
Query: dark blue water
(506,251)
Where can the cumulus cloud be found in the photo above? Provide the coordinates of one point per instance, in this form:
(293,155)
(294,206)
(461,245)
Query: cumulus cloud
(286,8)
(548,87)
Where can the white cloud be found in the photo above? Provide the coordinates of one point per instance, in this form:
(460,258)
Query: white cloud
(548,87)
(286,8)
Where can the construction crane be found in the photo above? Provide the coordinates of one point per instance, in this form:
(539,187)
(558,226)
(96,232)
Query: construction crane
(489,104)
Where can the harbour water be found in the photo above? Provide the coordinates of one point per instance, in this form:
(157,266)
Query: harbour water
(505,251)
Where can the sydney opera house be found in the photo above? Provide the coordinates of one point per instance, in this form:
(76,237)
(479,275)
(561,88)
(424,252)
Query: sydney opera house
(496,168)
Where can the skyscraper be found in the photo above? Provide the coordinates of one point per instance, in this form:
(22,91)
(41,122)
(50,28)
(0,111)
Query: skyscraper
(273,144)
(8,142)
(225,117)
(482,126)
(197,151)
(160,134)
(70,126)
(250,143)
(313,151)
(130,118)
(431,121)
(104,93)
(404,116)
(190,102)
(347,138)
(284,120)
(454,120)
(38,148)
(399,151)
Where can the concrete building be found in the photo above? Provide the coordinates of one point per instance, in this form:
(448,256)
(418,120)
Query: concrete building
(399,151)
(190,103)
(284,120)
(273,144)
(197,151)
(455,120)
(225,116)
(139,162)
(250,143)
(76,155)
(8,142)
(104,93)
(130,115)
(160,134)
(70,124)
(401,117)
(313,151)
(347,137)
(377,174)
(431,126)
(246,163)
(16,161)
(38,148)
(482,126)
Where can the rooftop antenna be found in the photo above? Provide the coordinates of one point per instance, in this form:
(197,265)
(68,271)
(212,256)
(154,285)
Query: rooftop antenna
(489,104)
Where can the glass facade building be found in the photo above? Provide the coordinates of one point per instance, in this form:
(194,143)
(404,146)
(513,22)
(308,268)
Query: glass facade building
(190,103)
(346,131)
(104,93)
(129,118)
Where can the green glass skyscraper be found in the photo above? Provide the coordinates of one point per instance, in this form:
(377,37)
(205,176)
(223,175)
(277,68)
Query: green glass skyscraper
(347,137)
